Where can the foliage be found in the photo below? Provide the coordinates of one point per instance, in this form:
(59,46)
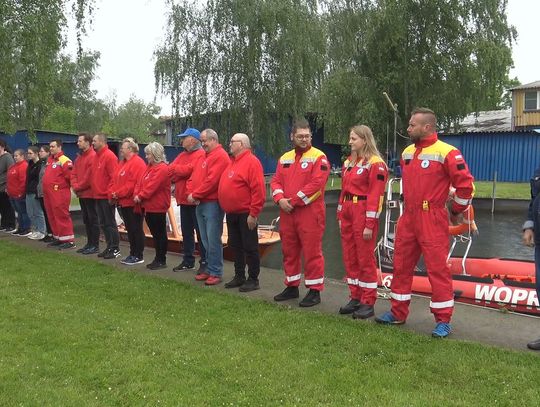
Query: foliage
(134,118)
(256,62)
(262,62)
(77,332)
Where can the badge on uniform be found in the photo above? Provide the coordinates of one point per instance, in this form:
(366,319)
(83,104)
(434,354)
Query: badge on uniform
(204,164)
(123,173)
(231,173)
(304,165)
(424,164)
(360,171)
(54,165)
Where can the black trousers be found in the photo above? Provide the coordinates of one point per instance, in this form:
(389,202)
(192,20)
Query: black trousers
(158,227)
(245,244)
(107,222)
(7,213)
(90,220)
(42,203)
(134,226)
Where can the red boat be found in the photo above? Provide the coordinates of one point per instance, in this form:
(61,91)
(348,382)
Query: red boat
(268,236)
(504,284)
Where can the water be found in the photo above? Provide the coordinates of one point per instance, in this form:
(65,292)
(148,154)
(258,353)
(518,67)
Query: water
(500,236)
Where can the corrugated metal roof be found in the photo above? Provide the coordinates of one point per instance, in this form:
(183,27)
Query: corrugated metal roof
(487,121)
(532,85)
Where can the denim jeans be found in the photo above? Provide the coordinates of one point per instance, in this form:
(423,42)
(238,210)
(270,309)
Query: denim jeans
(35,213)
(188,224)
(210,220)
(22,217)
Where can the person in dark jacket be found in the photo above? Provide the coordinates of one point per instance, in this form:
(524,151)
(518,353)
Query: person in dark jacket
(531,236)
(33,207)
(7,214)
(43,157)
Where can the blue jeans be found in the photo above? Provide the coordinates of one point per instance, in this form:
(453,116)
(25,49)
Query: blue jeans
(35,213)
(22,217)
(188,224)
(210,220)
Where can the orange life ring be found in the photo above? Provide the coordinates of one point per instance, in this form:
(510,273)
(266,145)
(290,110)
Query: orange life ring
(468,225)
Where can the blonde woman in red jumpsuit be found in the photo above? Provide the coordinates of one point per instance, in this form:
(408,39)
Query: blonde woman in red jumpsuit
(364,176)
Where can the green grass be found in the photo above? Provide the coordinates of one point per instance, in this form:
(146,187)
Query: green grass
(484,189)
(76,332)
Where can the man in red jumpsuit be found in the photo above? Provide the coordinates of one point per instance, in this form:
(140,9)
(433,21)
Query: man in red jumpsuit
(298,189)
(57,196)
(430,167)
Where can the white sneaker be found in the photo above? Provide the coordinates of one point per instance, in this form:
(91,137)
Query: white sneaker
(32,235)
(36,236)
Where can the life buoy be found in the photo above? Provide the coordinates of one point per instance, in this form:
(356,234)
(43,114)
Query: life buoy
(467,226)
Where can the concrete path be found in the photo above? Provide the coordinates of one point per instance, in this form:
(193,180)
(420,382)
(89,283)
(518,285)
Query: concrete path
(470,323)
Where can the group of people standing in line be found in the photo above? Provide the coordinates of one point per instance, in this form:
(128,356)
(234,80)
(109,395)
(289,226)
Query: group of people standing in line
(208,184)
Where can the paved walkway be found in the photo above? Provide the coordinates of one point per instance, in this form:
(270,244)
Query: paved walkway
(470,323)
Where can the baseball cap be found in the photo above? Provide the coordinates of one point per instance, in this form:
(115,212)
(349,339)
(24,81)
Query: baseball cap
(190,131)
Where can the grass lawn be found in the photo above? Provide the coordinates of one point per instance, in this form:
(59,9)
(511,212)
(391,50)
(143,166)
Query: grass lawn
(76,332)
(484,189)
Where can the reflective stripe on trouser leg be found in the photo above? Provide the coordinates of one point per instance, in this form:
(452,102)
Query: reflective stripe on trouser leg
(406,254)
(365,252)
(63,220)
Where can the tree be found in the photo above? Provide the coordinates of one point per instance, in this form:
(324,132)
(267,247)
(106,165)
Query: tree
(134,118)
(257,62)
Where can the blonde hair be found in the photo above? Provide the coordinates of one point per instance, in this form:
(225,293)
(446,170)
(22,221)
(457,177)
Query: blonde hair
(370,148)
(131,143)
(157,151)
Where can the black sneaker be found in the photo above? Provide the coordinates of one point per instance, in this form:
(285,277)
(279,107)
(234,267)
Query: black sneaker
(91,250)
(251,284)
(10,229)
(363,312)
(66,245)
(313,297)
(82,249)
(54,243)
(287,294)
(237,281)
(47,239)
(351,306)
(202,267)
(112,254)
(103,253)
(184,266)
(132,261)
(25,232)
(156,265)
(14,231)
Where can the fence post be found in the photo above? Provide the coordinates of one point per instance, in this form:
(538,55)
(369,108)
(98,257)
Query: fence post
(493,192)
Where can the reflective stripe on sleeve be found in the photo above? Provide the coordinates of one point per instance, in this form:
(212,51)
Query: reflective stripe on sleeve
(372,214)
(303,197)
(277,191)
(443,304)
(462,201)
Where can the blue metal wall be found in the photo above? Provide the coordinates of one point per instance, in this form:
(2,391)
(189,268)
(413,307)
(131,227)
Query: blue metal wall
(514,155)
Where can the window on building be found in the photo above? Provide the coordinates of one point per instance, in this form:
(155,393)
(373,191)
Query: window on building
(532,100)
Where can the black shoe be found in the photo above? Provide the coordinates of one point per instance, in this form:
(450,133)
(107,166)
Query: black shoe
(287,294)
(112,254)
(91,250)
(54,243)
(23,232)
(48,239)
(104,252)
(82,249)
(66,245)
(352,306)
(251,284)
(237,281)
(202,267)
(363,312)
(534,345)
(184,266)
(313,297)
(156,265)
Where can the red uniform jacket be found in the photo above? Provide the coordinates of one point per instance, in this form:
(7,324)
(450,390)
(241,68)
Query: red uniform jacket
(365,180)
(154,189)
(206,175)
(181,170)
(57,173)
(105,165)
(241,187)
(301,177)
(16,180)
(430,166)
(81,176)
(127,176)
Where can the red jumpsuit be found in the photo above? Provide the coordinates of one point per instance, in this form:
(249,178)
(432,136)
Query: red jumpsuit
(301,177)
(360,204)
(430,167)
(57,196)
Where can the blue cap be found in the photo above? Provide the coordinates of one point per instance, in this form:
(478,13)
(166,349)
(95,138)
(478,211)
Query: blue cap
(190,131)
